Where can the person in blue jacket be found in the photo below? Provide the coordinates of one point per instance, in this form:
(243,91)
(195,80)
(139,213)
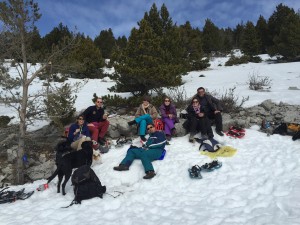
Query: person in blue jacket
(78,133)
(152,150)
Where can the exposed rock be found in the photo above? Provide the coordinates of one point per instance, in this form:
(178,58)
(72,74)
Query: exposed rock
(40,144)
(42,171)
(293,88)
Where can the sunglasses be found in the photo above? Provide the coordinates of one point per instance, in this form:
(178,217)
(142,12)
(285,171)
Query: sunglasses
(80,119)
(148,128)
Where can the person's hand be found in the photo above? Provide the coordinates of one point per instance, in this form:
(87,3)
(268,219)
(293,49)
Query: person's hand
(105,116)
(77,130)
(217,111)
(91,125)
(170,116)
(200,114)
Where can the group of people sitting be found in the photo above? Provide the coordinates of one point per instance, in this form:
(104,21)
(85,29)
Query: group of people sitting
(93,124)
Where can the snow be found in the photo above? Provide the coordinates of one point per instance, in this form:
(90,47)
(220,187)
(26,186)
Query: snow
(260,184)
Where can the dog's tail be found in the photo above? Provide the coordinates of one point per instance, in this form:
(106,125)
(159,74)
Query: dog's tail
(53,175)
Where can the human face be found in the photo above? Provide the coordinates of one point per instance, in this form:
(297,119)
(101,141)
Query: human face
(195,102)
(150,128)
(201,92)
(167,101)
(80,120)
(145,103)
(99,102)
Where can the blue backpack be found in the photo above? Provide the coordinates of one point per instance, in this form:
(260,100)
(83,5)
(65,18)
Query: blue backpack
(210,145)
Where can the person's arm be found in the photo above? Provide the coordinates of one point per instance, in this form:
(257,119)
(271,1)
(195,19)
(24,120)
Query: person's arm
(156,140)
(153,112)
(71,134)
(174,112)
(162,110)
(138,112)
(216,102)
(85,131)
(190,112)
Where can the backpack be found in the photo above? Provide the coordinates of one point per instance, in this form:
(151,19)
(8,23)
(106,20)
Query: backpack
(158,124)
(281,129)
(86,184)
(210,145)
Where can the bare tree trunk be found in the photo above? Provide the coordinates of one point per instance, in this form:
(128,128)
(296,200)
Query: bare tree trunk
(22,114)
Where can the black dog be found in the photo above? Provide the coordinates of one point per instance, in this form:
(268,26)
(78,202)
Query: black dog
(62,148)
(72,160)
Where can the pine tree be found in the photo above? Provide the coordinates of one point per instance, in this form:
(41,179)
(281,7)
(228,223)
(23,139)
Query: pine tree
(288,40)
(275,23)
(192,43)
(56,36)
(211,37)
(106,42)
(250,41)
(227,40)
(237,34)
(263,34)
(121,42)
(86,59)
(153,56)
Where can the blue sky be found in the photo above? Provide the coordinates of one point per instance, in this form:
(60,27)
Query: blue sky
(92,16)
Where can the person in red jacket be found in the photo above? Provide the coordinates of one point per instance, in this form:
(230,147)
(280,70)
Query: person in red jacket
(97,122)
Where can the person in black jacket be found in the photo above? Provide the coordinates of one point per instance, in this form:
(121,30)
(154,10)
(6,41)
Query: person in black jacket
(212,108)
(97,122)
(197,121)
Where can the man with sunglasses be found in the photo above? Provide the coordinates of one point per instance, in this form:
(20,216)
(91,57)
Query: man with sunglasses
(212,108)
(152,150)
(97,122)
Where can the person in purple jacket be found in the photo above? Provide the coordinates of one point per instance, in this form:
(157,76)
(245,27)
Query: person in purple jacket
(169,117)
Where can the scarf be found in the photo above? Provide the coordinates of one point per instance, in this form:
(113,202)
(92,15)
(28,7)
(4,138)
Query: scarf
(167,107)
(196,109)
(145,108)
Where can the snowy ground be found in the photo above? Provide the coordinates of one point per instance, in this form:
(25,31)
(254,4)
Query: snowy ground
(260,184)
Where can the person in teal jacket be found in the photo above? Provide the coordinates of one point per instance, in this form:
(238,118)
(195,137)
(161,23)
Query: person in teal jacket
(152,150)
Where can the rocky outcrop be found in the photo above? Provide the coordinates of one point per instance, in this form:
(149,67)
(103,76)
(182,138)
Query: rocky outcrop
(40,144)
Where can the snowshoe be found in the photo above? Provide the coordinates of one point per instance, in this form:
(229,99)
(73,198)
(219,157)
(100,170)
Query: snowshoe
(10,196)
(237,129)
(208,167)
(235,134)
(24,195)
(195,172)
(122,141)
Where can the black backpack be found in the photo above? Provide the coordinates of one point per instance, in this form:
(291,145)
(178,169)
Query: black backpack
(86,184)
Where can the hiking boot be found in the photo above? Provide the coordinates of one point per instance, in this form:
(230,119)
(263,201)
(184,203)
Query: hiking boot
(219,132)
(130,123)
(149,174)
(102,141)
(143,138)
(168,137)
(121,167)
(173,131)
